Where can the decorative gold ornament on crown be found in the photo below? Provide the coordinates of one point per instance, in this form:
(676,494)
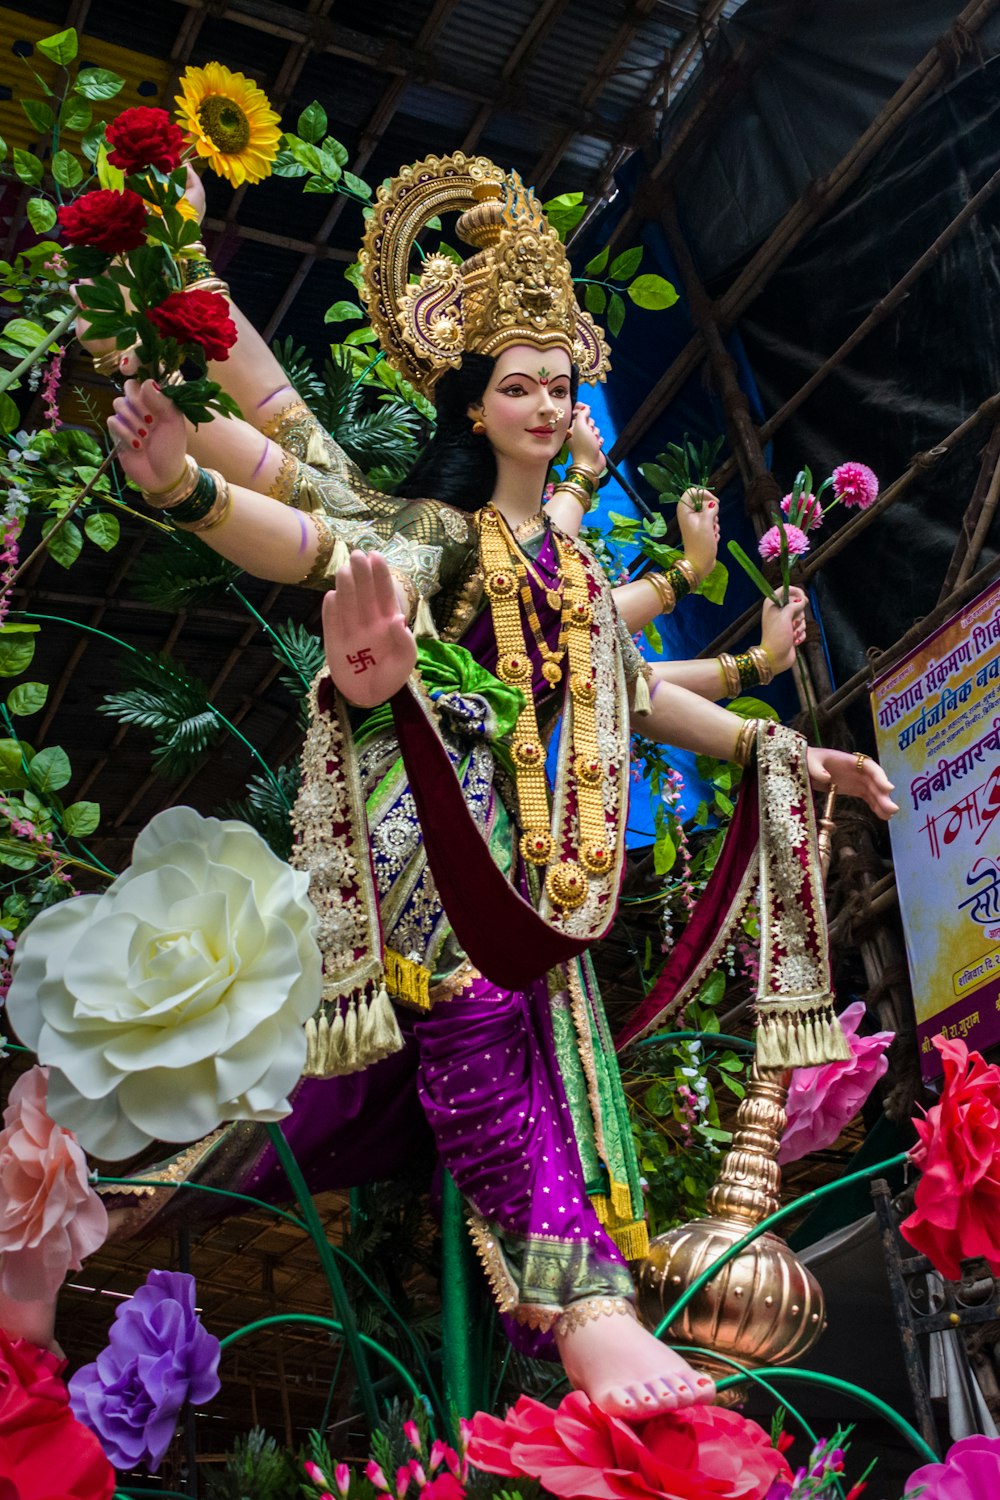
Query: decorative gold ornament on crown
(763,1308)
(516,288)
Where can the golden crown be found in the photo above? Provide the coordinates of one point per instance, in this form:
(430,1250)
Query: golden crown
(516,289)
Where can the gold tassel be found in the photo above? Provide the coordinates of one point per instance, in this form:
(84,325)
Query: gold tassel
(385,1037)
(339,557)
(423,622)
(632,1239)
(407,980)
(642,703)
(316,453)
(602,1207)
(800,1039)
(350,1053)
(621,1200)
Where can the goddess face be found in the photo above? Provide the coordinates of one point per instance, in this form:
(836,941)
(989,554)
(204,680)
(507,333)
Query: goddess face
(526,407)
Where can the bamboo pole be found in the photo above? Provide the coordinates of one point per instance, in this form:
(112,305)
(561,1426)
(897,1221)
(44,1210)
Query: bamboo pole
(932,69)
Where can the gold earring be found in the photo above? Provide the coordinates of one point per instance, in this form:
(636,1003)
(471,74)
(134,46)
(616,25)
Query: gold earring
(478,427)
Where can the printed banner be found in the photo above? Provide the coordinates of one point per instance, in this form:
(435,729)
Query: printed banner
(937,723)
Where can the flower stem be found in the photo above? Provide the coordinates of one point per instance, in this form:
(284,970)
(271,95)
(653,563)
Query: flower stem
(342,1307)
(8,377)
(778,1217)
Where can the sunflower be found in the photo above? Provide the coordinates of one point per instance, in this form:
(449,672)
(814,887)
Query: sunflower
(230,122)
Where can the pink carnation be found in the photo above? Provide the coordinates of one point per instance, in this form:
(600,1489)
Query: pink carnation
(821,1101)
(810,511)
(770,543)
(856,485)
(50,1217)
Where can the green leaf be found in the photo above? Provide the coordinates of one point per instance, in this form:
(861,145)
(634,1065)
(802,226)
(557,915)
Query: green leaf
(596,266)
(624,266)
(103,529)
(343,312)
(658,477)
(41,214)
(66,170)
(28,167)
(65,544)
(616,314)
(12,772)
(714,584)
(98,83)
(81,818)
(595,299)
(27,698)
(60,48)
(10,417)
(24,332)
(312,122)
(3,149)
(285,165)
(359,336)
(40,116)
(50,769)
(16,651)
(653,637)
(357,185)
(652,292)
(75,114)
(752,571)
(334,148)
(107,175)
(714,988)
(664,854)
(102,295)
(752,708)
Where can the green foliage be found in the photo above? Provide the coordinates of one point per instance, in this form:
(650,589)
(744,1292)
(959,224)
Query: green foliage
(170,704)
(682,466)
(319,158)
(180,572)
(17,647)
(257,1469)
(565,212)
(303,652)
(264,805)
(604,294)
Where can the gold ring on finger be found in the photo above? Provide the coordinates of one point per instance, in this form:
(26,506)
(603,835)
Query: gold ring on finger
(859,760)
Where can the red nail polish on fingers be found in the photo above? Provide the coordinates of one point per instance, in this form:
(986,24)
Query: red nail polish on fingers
(143,432)
(147,418)
(156,385)
(136,443)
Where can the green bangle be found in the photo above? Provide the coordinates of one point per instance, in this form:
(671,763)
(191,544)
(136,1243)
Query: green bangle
(679,582)
(198,503)
(747,668)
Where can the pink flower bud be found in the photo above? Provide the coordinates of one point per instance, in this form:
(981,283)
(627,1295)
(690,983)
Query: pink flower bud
(342,1478)
(417,1472)
(375,1476)
(412,1434)
(439,1454)
(402,1482)
(315,1473)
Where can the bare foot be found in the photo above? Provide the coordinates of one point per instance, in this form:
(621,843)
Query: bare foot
(626,1371)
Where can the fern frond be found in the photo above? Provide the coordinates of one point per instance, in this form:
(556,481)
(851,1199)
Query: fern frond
(181,572)
(299,368)
(257,1469)
(387,436)
(172,705)
(304,654)
(263,807)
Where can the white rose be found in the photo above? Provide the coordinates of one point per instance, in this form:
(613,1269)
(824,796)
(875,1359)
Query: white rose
(175,1000)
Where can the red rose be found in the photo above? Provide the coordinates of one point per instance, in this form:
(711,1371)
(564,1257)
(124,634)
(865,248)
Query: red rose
(144,137)
(197,318)
(44,1451)
(112,222)
(957,1200)
(579,1450)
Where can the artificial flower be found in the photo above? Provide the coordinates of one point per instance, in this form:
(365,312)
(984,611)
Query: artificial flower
(578,1450)
(144,137)
(770,543)
(970,1470)
(956,1212)
(808,511)
(444,1487)
(45,1453)
(821,1101)
(159,1357)
(196,317)
(105,220)
(175,999)
(855,485)
(50,1217)
(230,122)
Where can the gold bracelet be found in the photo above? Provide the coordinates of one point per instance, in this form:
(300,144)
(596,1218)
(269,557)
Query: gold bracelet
(221,506)
(584,476)
(762,661)
(576,492)
(663,590)
(730,672)
(689,571)
(177,492)
(746,742)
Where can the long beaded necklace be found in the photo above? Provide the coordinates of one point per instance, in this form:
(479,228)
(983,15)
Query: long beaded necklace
(551,658)
(566,881)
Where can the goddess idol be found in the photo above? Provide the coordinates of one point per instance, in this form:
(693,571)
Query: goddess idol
(458,892)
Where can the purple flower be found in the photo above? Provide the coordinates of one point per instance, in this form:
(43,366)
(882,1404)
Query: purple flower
(158,1357)
(971,1468)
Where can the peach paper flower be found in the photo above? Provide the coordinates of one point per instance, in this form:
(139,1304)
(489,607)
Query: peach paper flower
(50,1217)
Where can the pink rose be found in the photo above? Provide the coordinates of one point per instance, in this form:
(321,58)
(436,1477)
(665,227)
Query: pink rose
(821,1101)
(50,1217)
(578,1450)
(770,543)
(855,485)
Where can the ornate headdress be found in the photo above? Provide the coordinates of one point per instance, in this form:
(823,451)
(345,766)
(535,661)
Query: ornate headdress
(516,289)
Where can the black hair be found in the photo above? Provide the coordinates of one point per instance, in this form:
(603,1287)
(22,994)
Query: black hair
(458,466)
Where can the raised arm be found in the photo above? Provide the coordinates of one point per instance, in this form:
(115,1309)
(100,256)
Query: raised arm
(715,677)
(641,602)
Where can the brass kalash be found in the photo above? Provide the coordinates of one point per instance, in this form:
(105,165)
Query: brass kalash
(764,1308)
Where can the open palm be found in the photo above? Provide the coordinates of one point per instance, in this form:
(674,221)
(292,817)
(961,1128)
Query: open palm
(370,650)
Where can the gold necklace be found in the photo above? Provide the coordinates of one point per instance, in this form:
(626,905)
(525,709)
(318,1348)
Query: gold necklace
(566,882)
(551,670)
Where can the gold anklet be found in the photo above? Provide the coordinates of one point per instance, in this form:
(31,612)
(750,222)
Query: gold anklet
(588,1309)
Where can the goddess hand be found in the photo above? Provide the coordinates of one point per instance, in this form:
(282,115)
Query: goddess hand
(150,436)
(370,649)
(194,192)
(585,441)
(783,629)
(854,776)
(699,529)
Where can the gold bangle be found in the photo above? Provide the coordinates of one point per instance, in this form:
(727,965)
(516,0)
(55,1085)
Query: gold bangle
(576,492)
(731,673)
(745,742)
(663,591)
(221,507)
(689,571)
(762,661)
(583,476)
(177,492)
